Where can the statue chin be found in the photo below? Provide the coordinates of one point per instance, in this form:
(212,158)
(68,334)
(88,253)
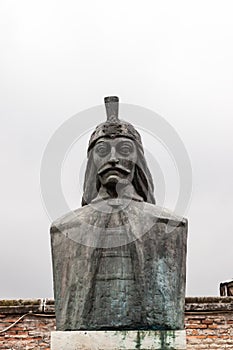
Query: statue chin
(112,180)
(116,182)
(111,184)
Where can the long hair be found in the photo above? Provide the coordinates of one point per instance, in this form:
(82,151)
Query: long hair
(142,180)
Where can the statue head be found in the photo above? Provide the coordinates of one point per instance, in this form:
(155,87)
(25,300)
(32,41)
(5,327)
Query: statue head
(116,159)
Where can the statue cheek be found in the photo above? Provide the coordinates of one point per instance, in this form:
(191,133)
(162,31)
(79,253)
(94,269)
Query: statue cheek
(132,158)
(127,163)
(99,161)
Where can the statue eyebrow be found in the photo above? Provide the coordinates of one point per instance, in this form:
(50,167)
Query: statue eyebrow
(127,142)
(101,141)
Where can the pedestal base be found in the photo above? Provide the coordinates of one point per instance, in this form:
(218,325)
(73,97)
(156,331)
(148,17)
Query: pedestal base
(118,340)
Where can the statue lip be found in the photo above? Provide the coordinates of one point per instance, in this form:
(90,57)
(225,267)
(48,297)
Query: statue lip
(117,168)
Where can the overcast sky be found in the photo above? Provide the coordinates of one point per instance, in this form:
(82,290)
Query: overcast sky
(61,57)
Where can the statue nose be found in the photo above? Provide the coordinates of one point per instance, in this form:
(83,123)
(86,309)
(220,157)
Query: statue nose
(113,157)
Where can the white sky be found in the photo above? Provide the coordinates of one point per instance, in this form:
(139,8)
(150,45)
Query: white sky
(61,57)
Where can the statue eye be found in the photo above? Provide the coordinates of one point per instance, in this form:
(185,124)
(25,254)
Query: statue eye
(125,148)
(102,149)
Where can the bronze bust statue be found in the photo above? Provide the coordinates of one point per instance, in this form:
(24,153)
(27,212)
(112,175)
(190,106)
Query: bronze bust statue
(119,261)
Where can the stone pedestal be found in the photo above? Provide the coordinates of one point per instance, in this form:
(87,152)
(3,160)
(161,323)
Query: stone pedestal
(118,340)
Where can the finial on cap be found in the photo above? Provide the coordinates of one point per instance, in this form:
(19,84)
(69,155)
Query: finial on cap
(112,105)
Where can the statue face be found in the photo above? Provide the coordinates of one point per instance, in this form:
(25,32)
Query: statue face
(115,160)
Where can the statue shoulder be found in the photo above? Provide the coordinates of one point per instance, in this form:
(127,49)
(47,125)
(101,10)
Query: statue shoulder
(72,219)
(164,214)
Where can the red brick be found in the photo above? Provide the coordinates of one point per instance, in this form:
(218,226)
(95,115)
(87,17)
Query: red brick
(207,321)
(200,326)
(213,326)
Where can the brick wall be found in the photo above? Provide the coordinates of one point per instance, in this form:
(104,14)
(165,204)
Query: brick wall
(209,323)
(33,330)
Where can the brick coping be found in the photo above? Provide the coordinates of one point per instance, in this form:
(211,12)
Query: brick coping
(193,305)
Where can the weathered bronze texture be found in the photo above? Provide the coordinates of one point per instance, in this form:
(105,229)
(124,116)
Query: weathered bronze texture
(119,262)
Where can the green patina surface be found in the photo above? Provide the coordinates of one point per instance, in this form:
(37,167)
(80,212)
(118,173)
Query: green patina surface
(164,338)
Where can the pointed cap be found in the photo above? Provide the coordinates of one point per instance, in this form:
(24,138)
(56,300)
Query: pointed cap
(114,127)
(112,107)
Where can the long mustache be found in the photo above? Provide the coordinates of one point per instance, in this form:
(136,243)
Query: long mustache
(118,167)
